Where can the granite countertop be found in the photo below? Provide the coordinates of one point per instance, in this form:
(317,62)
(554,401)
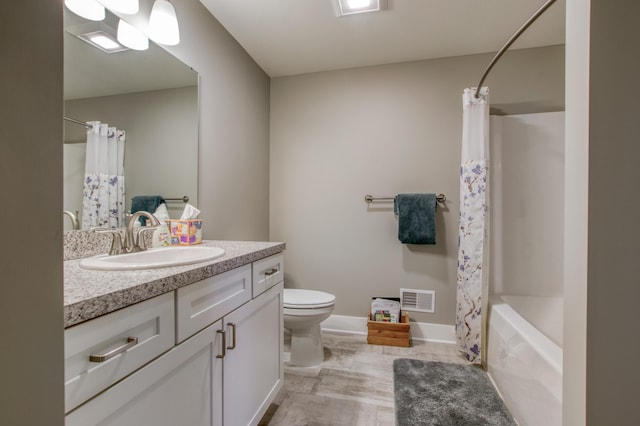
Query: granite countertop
(89,294)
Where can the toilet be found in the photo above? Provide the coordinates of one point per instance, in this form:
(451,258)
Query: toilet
(304,310)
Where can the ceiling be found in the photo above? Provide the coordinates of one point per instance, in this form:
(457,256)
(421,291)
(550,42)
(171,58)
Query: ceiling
(288,37)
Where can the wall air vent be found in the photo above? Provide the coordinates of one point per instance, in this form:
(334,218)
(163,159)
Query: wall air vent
(417,300)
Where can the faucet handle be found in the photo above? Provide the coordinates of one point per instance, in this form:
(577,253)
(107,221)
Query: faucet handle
(140,236)
(116,241)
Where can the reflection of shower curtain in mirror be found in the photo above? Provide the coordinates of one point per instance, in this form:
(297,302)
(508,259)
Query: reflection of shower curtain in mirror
(103,189)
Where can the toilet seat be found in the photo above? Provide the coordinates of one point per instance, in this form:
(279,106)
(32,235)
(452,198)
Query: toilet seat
(307,299)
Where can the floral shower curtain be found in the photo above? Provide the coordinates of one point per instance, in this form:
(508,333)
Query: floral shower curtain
(473,249)
(103,191)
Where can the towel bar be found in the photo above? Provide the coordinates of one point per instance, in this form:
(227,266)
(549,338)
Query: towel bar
(370,198)
(184,199)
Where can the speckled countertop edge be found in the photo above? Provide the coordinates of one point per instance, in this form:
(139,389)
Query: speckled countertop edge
(90,294)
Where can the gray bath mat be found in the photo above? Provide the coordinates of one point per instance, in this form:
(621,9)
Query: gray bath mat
(437,393)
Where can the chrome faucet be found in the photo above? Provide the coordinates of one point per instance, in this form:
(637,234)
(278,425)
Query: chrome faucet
(133,239)
(75,225)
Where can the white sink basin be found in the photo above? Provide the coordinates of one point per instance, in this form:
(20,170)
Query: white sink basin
(153,258)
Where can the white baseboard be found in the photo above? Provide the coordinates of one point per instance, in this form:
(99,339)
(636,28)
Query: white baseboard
(419,330)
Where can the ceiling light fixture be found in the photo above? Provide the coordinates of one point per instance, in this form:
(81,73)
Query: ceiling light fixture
(350,7)
(163,23)
(102,40)
(129,7)
(131,37)
(356,4)
(88,9)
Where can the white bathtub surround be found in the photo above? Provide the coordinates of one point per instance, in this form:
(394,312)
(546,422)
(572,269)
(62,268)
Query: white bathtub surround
(526,367)
(473,231)
(527,199)
(526,319)
(544,313)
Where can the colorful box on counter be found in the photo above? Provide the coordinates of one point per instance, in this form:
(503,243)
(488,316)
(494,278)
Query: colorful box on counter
(185,232)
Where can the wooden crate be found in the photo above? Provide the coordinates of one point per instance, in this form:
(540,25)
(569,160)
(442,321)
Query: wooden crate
(389,333)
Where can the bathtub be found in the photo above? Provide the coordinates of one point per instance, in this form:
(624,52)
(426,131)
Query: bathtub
(525,361)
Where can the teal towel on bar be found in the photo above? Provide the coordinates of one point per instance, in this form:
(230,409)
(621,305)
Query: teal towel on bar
(416,218)
(147,203)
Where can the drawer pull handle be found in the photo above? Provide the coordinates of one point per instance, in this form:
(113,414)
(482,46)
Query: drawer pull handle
(233,335)
(131,342)
(223,344)
(270,272)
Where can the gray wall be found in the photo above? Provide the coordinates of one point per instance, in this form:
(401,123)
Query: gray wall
(31,358)
(161,149)
(614,149)
(601,233)
(233,190)
(336,136)
(233,170)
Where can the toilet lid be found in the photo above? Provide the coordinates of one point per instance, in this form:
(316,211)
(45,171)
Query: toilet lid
(307,299)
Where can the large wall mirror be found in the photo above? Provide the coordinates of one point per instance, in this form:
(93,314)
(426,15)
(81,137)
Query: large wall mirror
(151,95)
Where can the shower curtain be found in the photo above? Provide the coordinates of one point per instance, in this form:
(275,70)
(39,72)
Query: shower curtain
(103,191)
(473,250)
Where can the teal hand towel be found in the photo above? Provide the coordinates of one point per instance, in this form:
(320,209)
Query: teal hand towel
(147,203)
(416,218)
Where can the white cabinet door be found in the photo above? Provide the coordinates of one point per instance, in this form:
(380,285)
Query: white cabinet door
(182,387)
(253,363)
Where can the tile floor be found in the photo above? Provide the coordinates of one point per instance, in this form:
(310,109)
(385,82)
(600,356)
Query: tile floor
(354,386)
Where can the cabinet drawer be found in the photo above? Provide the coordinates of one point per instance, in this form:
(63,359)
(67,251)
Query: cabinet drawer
(150,322)
(267,273)
(206,301)
(178,388)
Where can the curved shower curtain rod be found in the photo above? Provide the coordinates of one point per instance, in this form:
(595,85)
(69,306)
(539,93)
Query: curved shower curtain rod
(513,38)
(74,121)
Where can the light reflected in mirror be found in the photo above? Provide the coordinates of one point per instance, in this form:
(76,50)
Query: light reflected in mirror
(151,95)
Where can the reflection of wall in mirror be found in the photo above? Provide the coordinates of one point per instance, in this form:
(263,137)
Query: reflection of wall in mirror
(161,154)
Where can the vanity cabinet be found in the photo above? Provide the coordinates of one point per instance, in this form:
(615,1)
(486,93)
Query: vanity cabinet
(223,364)
(179,388)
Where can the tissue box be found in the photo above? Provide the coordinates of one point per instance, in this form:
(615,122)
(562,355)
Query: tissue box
(185,232)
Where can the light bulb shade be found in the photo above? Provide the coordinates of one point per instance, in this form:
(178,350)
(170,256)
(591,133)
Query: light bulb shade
(129,36)
(163,23)
(129,7)
(88,9)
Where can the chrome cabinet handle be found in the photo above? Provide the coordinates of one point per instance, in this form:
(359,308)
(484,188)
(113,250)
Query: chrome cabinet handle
(131,342)
(233,335)
(223,345)
(270,272)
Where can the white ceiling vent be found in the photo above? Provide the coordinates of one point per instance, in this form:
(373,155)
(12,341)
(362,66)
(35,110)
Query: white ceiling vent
(417,300)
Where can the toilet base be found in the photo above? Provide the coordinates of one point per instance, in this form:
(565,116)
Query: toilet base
(306,347)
